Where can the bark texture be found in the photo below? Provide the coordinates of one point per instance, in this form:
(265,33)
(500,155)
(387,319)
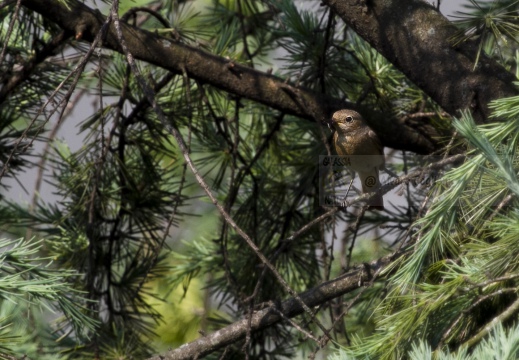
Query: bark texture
(418,40)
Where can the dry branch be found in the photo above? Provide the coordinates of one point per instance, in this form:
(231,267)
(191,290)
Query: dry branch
(351,281)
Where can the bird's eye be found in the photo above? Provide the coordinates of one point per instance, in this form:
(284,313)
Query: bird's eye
(349,119)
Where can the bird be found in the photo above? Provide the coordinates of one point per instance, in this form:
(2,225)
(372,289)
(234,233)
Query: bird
(364,152)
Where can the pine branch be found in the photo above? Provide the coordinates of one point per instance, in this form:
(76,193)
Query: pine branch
(347,283)
(30,66)
(185,151)
(419,41)
(85,23)
(509,312)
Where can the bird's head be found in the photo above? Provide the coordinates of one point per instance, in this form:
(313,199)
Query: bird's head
(347,120)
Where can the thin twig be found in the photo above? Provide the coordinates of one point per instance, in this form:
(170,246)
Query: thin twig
(359,294)
(355,230)
(425,114)
(77,71)
(293,323)
(44,157)
(10,29)
(463,313)
(510,311)
(291,307)
(178,137)
(382,190)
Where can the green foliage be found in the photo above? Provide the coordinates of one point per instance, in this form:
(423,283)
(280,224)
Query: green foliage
(28,283)
(502,344)
(137,263)
(122,192)
(460,277)
(182,310)
(492,25)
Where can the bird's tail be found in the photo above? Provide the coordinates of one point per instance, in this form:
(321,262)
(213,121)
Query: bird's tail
(371,182)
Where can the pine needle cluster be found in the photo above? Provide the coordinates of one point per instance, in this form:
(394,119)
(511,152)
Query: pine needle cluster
(126,222)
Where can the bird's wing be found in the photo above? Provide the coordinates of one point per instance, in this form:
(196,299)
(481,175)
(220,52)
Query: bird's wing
(376,140)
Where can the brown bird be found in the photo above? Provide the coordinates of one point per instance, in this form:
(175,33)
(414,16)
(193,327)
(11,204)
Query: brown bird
(363,150)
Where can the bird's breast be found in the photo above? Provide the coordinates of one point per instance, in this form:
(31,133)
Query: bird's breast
(361,152)
(346,144)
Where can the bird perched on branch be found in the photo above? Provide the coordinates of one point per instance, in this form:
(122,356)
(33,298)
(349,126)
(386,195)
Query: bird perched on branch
(362,149)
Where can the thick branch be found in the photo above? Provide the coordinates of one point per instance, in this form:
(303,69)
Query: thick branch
(417,39)
(222,73)
(353,280)
(167,53)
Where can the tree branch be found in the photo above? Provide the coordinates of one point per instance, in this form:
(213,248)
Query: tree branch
(264,318)
(418,40)
(224,74)
(415,38)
